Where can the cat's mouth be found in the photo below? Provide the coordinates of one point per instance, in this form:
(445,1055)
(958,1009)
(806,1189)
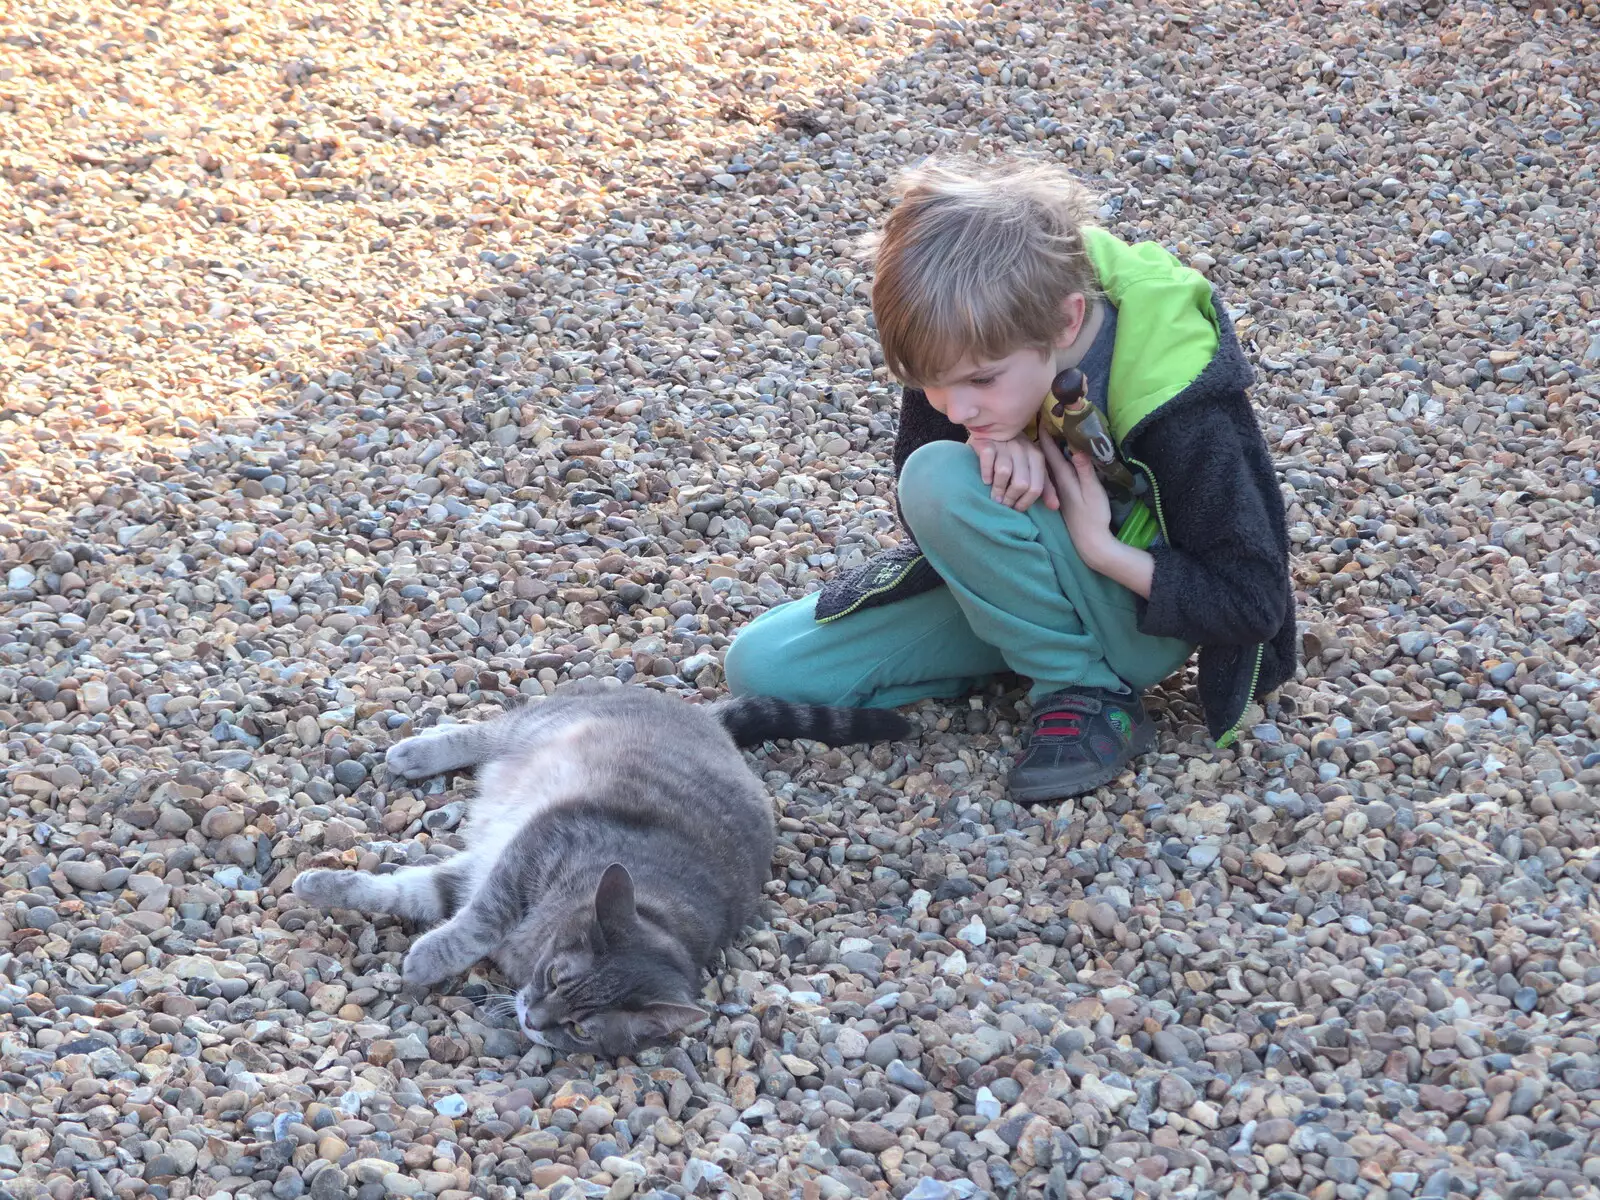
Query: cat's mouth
(532,1034)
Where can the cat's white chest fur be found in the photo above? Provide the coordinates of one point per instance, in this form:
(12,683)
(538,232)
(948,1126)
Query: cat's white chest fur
(517,788)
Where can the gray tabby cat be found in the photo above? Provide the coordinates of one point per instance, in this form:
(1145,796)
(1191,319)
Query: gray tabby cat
(617,842)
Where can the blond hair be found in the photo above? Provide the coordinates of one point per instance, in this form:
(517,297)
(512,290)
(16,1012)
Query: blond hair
(975,261)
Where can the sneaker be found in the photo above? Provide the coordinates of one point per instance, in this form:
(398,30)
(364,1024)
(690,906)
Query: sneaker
(1080,739)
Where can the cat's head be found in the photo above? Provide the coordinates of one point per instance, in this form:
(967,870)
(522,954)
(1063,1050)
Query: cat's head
(606,982)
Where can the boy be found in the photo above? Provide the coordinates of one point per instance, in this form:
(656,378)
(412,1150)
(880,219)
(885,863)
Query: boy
(990,285)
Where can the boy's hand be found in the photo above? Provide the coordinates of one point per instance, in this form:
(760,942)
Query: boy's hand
(1016,472)
(1085,507)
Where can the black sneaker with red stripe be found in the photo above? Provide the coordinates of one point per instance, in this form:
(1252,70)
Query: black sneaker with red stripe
(1081,739)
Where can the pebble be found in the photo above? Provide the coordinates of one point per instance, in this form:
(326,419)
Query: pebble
(851,1044)
(332,416)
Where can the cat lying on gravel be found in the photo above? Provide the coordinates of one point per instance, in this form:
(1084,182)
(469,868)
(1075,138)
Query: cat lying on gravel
(616,843)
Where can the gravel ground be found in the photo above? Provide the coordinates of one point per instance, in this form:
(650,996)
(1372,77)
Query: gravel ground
(365,363)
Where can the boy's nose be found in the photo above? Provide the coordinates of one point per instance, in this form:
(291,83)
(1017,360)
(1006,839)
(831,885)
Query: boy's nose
(962,410)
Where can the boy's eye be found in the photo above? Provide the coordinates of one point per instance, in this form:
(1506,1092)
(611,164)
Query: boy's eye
(983,380)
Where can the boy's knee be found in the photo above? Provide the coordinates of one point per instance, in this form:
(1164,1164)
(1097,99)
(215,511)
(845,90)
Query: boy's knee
(938,479)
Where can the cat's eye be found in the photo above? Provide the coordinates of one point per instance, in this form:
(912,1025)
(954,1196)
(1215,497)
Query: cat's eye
(578,1029)
(550,978)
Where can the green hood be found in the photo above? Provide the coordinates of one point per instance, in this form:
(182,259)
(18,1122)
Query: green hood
(1166,327)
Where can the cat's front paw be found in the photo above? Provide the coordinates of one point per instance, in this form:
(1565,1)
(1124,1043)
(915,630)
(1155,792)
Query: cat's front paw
(432,959)
(326,889)
(412,758)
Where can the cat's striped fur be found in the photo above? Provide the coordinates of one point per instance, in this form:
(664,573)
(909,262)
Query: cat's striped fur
(616,842)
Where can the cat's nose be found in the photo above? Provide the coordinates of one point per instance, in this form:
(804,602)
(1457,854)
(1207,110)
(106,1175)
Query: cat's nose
(529,1016)
(535,1016)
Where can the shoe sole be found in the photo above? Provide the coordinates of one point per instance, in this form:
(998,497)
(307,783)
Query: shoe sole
(1043,793)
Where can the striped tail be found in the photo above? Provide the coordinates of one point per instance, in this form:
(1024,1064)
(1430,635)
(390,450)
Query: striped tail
(752,720)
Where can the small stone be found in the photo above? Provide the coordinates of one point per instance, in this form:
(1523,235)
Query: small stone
(370,1170)
(547,1176)
(798,1067)
(986,1106)
(883,1050)
(1274,1132)
(86,876)
(903,1076)
(1411,644)
(984,1044)
(350,773)
(1036,1143)
(1103,917)
(1343,1170)
(450,1106)
(222,822)
(851,1044)
(874,1139)
(503,1043)
(1106,1094)
(1168,1048)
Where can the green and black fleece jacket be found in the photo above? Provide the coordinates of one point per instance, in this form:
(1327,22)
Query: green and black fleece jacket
(1180,412)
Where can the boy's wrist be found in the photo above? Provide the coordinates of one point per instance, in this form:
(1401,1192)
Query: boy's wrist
(1097,551)
(1134,569)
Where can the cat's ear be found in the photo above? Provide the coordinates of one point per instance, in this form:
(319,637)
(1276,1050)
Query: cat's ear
(663,1020)
(613,900)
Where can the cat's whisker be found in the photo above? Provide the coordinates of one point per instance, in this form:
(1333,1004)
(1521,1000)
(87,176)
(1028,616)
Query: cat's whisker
(499,1004)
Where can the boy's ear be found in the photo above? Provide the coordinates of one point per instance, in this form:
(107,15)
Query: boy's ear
(1074,307)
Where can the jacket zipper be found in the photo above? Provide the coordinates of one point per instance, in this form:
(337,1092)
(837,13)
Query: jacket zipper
(1155,496)
(1228,738)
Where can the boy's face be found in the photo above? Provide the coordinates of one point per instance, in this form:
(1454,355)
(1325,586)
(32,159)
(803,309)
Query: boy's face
(997,398)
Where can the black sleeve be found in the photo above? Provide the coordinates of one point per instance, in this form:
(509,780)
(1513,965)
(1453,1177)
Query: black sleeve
(1220,579)
(921,423)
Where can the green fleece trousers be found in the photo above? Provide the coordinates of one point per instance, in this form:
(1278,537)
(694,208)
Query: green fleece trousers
(1017,597)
